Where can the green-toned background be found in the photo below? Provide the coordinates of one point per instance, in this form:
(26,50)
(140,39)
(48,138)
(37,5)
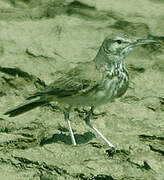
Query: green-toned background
(41,38)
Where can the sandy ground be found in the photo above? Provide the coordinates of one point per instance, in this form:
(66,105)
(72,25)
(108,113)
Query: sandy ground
(40,38)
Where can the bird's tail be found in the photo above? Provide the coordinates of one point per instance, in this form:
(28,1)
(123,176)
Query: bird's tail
(22,108)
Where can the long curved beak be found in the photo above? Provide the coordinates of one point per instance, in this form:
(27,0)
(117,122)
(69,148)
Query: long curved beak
(139,42)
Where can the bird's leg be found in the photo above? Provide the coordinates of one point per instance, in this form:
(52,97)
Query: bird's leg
(88,122)
(66,116)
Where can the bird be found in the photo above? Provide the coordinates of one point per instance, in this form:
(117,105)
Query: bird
(89,84)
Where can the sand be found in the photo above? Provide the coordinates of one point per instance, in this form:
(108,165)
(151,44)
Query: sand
(40,39)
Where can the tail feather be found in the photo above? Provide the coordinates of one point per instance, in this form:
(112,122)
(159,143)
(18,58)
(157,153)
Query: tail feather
(22,108)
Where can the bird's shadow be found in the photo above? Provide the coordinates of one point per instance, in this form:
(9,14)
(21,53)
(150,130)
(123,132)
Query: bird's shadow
(80,138)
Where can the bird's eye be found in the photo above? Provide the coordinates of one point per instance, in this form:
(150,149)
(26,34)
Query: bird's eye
(119,41)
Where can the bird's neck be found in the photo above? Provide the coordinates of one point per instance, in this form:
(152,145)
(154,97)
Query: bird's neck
(106,63)
(118,68)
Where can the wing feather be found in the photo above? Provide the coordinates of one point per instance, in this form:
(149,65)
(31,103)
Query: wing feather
(78,81)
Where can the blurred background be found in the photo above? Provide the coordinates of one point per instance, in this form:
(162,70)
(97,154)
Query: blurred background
(41,39)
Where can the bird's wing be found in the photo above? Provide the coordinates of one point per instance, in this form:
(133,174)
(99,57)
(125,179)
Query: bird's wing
(80,80)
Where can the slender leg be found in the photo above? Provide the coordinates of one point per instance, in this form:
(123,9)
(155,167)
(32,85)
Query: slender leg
(66,116)
(88,122)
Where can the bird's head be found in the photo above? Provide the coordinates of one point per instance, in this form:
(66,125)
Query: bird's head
(118,47)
